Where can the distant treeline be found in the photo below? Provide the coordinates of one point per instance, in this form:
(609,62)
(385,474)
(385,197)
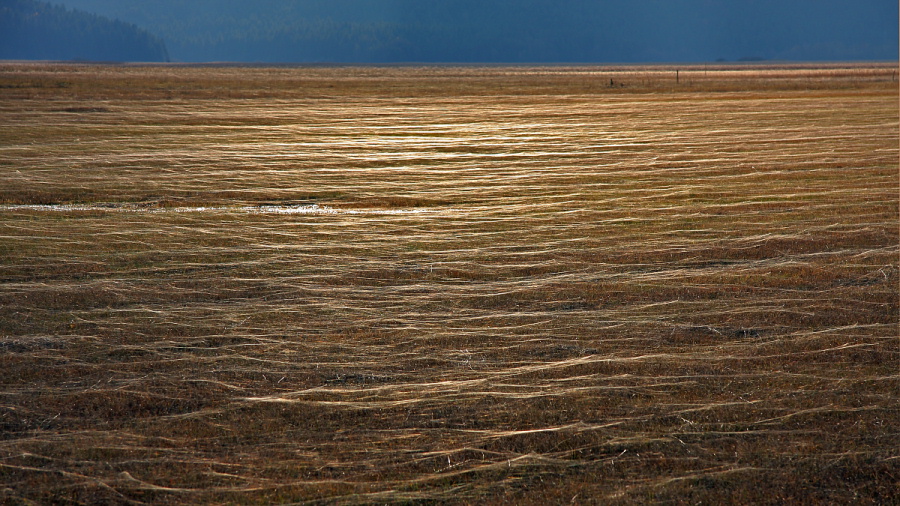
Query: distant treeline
(31,30)
(513,31)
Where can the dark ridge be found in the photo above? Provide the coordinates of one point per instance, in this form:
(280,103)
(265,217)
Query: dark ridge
(31,30)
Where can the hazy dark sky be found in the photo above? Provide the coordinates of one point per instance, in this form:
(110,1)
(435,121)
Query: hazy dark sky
(514,30)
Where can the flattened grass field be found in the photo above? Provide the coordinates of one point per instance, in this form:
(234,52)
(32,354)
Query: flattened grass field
(472,285)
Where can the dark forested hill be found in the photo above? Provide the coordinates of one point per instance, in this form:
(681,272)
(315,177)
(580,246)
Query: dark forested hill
(31,30)
(512,30)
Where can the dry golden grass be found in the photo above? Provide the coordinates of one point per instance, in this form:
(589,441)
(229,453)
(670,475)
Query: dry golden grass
(463,285)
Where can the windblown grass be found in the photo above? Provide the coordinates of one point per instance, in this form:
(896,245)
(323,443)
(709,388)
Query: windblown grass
(478,285)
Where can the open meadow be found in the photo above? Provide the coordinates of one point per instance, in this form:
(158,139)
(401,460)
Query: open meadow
(477,285)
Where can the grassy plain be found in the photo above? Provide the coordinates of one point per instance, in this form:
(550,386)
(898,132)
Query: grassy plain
(464,285)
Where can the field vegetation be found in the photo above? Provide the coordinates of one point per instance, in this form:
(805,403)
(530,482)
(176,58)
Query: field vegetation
(466,285)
